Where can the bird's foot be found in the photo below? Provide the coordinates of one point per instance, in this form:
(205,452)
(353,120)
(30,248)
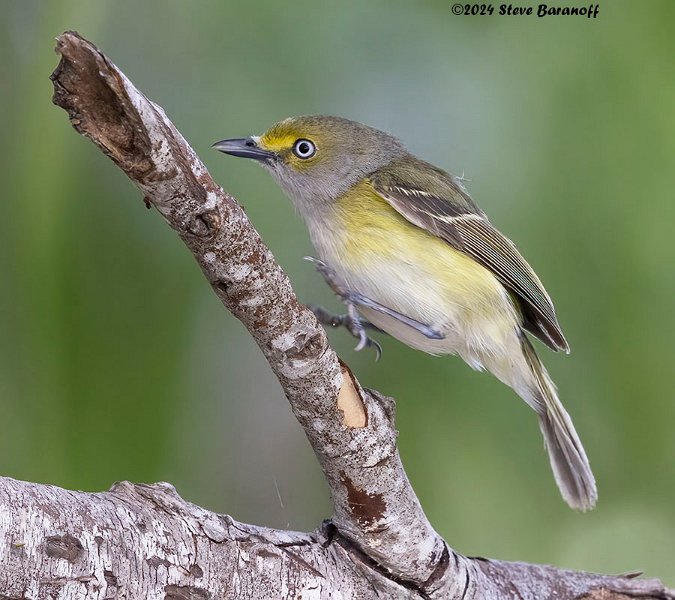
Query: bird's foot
(352,323)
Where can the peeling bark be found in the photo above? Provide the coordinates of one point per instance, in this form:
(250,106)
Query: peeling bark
(140,541)
(145,542)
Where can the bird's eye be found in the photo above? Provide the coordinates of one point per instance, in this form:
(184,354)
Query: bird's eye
(304,149)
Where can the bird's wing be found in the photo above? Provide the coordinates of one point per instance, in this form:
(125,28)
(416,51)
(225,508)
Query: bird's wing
(436,202)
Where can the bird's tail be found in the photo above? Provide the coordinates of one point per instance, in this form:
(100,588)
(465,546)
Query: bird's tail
(568,459)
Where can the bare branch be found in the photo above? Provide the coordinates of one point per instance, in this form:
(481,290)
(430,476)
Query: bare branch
(379,543)
(350,429)
(144,541)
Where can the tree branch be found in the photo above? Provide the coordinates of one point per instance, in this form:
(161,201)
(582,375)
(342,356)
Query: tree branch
(144,541)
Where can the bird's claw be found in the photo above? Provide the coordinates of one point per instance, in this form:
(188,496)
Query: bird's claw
(357,329)
(352,323)
(355,326)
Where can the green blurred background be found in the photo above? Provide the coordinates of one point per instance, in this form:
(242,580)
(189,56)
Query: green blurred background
(118,362)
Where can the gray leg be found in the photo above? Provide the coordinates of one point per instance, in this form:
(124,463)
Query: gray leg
(425,330)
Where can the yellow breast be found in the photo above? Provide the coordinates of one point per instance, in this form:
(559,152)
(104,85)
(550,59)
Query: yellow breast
(380,254)
(372,232)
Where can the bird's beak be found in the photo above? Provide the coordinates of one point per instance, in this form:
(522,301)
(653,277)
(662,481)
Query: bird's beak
(243,147)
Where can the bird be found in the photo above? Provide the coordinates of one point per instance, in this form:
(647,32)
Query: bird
(407,250)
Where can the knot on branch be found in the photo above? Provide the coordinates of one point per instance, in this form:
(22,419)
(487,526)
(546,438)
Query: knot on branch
(298,348)
(205,223)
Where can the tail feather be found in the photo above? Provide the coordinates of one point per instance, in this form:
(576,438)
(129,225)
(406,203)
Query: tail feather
(570,465)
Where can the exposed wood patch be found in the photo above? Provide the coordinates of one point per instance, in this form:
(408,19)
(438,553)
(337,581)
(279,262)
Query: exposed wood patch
(350,402)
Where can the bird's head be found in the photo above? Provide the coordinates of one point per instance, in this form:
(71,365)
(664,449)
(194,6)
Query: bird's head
(317,158)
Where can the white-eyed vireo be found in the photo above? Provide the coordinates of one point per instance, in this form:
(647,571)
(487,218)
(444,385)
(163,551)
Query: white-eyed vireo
(407,250)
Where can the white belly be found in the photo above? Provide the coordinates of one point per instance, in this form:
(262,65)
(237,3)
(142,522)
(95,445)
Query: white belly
(479,327)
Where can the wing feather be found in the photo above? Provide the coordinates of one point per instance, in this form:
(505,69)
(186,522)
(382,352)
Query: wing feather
(440,205)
